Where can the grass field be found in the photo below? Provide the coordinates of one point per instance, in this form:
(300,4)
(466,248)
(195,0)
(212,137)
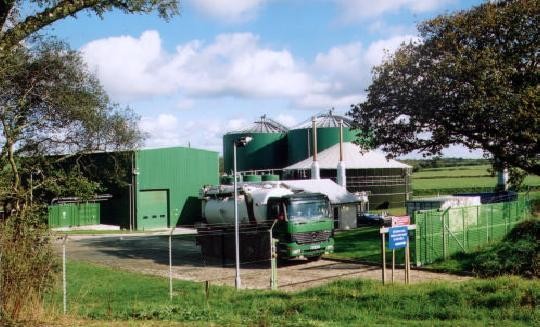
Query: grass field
(103,295)
(363,244)
(460,177)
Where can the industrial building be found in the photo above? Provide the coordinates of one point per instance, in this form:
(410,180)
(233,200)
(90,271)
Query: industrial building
(386,181)
(152,188)
(289,153)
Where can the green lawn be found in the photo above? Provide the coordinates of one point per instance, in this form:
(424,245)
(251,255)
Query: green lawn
(471,177)
(363,244)
(104,295)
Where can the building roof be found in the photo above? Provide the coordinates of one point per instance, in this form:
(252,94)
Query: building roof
(353,158)
(263,125)
(337,194)
(324,120)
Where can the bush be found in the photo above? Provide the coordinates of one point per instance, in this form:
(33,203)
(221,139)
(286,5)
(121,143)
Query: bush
(27,265)
(517,254)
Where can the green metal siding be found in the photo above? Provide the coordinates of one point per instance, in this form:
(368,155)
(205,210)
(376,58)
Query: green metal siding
(68,215)
(265,151)
(180,171)
(300,143)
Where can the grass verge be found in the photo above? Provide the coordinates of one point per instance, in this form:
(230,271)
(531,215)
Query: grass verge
(99,294)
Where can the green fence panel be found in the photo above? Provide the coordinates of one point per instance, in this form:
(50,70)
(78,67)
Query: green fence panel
(442,233)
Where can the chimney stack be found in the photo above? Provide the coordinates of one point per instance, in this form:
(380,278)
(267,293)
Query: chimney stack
(341,171)
(315,170)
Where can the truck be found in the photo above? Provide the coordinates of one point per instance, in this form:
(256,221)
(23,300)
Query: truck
(300,221)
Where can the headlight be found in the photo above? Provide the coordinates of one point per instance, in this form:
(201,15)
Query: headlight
(296,251)
(330,247)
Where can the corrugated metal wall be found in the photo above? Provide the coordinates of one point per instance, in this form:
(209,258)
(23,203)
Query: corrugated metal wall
(176,174)
(67,215)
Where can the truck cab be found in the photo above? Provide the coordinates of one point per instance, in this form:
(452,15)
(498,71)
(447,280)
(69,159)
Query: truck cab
(304,225)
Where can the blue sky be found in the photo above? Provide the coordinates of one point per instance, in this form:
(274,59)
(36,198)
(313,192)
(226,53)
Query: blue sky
(223,63)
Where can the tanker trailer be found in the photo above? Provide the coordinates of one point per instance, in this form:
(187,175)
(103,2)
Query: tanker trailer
(304,227)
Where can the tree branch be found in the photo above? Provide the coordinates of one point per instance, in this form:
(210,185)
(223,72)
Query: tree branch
(34,23)
(65,8)
(5,8)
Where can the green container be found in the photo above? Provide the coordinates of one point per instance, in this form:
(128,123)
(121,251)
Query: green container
(300,141)
(252,178)
(89,214)
(265,151)
(229,180)
(270,178)
(74,215)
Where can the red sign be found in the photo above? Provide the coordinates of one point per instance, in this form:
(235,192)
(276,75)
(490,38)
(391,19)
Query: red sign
(401,221)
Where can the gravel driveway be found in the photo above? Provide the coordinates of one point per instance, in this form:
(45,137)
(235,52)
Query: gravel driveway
(149,254)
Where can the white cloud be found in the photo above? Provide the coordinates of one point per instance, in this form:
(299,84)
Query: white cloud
(347,69)
(127,66)
(287,120)
(167,130)
(362,9)
(234,65)
(229,10)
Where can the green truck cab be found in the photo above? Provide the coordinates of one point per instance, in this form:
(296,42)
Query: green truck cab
(304,226)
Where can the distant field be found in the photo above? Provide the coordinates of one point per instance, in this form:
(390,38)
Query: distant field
(452,172)
(460,177)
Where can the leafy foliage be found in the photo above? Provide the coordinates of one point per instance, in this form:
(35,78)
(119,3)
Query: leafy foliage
(472,80)
(517,254)
(51,109)
(27,264)
(20,19)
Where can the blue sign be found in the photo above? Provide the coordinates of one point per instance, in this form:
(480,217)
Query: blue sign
(397,237)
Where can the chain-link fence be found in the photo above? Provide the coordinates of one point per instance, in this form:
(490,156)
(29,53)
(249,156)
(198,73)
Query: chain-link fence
(440,234)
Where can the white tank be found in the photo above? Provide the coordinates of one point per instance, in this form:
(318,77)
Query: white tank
(221,210)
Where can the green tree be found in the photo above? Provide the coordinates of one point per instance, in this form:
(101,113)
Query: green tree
(19,19)
(471,79)
(52,108)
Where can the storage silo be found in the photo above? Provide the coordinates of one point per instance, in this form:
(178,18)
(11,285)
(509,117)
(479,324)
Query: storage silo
(267,149)
(299,139)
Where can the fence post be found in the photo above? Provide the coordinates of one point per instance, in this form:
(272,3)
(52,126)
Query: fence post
(170,263)
(273,259)
(64,279)
(445,250)
(465,227)
(383,250)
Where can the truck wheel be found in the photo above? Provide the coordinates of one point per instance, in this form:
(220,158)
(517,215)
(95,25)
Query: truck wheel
(315,258)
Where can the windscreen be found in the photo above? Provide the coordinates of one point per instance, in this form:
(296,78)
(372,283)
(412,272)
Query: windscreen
(307,211)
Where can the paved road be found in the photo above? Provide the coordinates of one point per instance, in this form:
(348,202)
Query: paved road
(149,255)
